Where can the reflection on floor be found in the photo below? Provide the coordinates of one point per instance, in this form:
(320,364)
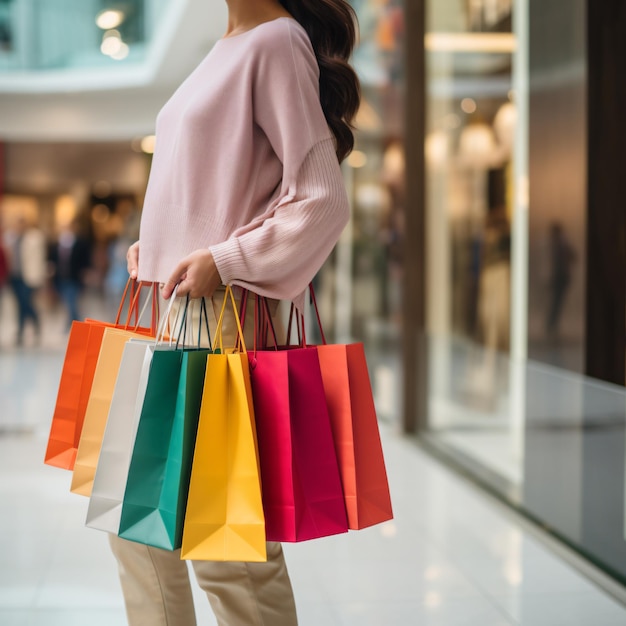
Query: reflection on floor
(476,407)
(452,557)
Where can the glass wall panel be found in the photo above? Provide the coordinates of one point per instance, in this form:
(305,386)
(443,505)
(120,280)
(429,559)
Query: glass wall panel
(471,126)
(507,157)
(574,480)
(558,193)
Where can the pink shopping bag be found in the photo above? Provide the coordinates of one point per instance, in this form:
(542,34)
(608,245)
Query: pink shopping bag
(302,492)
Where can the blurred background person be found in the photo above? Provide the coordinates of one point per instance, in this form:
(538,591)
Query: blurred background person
(117,271)
(26,247)
(495,282)
(4,271)
(562,259)
(70,258)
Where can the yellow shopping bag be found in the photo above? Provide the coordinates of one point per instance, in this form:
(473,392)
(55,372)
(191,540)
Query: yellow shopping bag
(104,379)
(224,518)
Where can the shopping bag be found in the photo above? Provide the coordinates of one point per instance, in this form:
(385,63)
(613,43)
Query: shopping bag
(77,374)
(224,519)
(355,431)
(105,503)
(155,497)
(97,411)
(81,356)
(302,492)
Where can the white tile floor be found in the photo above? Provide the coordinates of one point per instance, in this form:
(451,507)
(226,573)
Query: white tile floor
(450,558)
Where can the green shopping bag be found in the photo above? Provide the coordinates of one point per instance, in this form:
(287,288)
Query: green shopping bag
(155,498)
(158,477)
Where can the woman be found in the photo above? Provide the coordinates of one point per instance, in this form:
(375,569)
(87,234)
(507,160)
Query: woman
(245,189)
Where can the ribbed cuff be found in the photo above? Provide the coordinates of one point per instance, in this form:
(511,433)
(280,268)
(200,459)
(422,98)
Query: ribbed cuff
(228,259)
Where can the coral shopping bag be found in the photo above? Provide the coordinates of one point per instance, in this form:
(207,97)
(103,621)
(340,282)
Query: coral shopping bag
(224,519)
(355,431)
(79,366)
(302,492)
(155,497)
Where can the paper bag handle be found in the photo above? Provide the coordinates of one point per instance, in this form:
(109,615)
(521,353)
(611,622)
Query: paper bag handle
(228,295)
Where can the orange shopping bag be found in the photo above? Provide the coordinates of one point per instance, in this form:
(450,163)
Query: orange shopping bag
(355,431)
(79,366)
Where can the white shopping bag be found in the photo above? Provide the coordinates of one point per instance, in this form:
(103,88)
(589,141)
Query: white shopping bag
(105,503)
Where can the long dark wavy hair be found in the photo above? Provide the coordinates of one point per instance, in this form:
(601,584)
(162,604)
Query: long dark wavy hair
(331,26)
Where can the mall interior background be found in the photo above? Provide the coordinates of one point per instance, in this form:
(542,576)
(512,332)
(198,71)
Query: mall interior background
(513,278)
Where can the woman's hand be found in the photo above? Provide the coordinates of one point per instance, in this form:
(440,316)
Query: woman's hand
(196,274)
(132,260)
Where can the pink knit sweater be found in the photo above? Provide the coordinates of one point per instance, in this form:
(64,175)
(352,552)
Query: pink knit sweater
(245,165)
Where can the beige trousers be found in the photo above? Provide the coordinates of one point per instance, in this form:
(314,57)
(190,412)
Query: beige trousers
(155,582)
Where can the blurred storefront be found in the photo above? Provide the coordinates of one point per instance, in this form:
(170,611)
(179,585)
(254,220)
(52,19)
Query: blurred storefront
(475,209)
(514,293)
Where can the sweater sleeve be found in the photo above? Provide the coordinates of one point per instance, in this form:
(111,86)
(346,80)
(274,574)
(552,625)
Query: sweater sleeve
(278,254)
(280,257)
(286,99)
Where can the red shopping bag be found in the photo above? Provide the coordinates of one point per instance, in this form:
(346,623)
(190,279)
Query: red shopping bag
(355,430)
(81,357)
(301,486)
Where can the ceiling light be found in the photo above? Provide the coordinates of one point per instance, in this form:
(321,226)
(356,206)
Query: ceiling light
(109,18)
(494,43)
(357,159)
(122,53)
(477,145)
(148,143)
(111,46)
(468,105)
(111,43)
(437,148)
